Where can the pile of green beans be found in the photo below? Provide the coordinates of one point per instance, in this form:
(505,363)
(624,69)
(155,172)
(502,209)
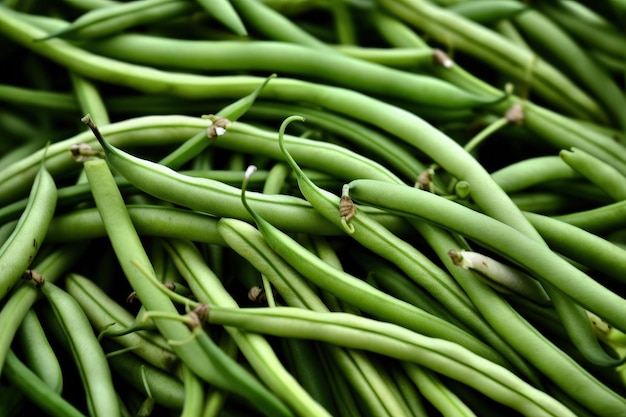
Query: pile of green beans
(313,208)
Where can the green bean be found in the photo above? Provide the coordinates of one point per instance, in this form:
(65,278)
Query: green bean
(198,142)
(86,224)
(581,246)
(208,288)
(435,391)
(381,241)
(501,276)
(400,286)
(247,385)
(38,353)
(362,295)
(487,12)
(442,356)
(108,20)
(147,130)
(357,368)
(274,25)
(598,34)
(496,236)
(532,171)
(566,53)
(88,354)
(598,220)
(22,298)
(17,252)
(289,212)
(106,315)
(224,13)
(37,98)
(479,41)
(36,390)
(389,151)
(395,32)
(194,393)
(604,176)
(306,361)
(165,389)
(557,365)
(89,99)
(402,58)
(136,265)
(287,58)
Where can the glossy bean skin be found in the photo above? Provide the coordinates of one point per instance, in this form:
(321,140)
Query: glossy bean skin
(22,298)
(484,43)
(105,21)
(218,199)
(88,354)
(285,58)
(499,237)
(38,354)
(105,314)
(206,286)
(22,245)
(360,333)
(360,294)
(36,390)
(150,220)
(418,267)
(136,265)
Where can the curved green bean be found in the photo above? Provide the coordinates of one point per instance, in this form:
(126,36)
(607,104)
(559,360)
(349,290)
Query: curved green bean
(17,252)
(208,288)
(360,294)
(135,263)
(36,390)
(604,176)
(498,237)
(88,354)
(442,356)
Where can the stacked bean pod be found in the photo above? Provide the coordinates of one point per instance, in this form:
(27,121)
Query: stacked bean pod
(313,208)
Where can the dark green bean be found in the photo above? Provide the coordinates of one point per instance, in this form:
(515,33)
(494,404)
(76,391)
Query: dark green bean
(105,21)
(17,252)
(388,339)
(88,354)
(36,390)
